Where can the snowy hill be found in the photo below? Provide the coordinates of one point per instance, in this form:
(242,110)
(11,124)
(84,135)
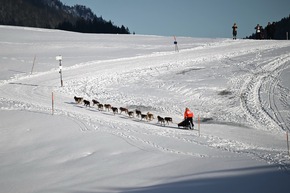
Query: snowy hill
(239,89)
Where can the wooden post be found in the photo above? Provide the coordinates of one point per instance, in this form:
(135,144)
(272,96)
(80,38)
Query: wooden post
(33,65)
(59,58)
(60,72)
(287,36)
(52,103)
(175,43)
(287,138)
(198,120)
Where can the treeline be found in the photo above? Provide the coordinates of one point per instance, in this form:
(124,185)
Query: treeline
(92,26)
(280,29)
(53,14)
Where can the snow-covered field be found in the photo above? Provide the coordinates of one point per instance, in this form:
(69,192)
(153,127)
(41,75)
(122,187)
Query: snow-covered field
(239,89)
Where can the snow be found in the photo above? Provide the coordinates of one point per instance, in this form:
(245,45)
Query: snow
(239,89)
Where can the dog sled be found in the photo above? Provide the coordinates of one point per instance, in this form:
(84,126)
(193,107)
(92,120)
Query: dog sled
(186,124)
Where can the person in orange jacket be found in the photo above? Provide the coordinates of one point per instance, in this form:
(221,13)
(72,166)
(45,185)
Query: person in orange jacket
(188,119)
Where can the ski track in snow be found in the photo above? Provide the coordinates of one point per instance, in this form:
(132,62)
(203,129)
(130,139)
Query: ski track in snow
(100,79)
(265,114)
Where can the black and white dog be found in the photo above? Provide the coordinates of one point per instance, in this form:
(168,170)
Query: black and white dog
(78,99)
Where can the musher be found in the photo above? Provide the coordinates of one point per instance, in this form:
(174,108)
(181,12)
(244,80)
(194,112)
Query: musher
(188,119)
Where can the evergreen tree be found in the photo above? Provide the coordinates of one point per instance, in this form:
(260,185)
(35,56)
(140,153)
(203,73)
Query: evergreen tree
(280,28)
(53,14)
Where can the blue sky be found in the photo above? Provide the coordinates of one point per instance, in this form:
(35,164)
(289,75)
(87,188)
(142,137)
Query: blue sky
(194,18)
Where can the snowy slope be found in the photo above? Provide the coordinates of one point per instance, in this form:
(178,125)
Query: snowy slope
(240,89)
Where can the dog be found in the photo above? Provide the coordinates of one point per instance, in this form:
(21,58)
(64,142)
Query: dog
(115,110)
(95,102)
(168,119)
(87,103)
(131,113)
(100,106)
(160,120)
(138,113)
(150,116)
(122,109)
(108,106)
(144,116)
(78,99)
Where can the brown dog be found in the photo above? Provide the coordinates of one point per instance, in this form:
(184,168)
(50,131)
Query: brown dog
(122,109)
(95,102)
(108,106)
(150,116)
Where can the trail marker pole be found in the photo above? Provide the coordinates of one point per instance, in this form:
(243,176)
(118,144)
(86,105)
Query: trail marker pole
(175,43)
(287,138)
(33,65)
(287,36)
(198,122)
(52,103)
(59,58)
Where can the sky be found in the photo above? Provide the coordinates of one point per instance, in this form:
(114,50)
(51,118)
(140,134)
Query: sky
(190,18)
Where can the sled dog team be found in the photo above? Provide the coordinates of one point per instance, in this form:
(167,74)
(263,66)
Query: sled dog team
(148,117)
(188,115)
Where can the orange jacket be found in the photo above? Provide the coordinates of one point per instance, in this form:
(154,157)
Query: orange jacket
(188,114)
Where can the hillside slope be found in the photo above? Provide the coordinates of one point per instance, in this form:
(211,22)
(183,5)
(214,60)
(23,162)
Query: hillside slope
(240,89)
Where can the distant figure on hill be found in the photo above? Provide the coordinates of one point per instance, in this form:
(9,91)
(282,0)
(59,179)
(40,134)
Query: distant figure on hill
(235,31)
(270,30)
(258,29)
